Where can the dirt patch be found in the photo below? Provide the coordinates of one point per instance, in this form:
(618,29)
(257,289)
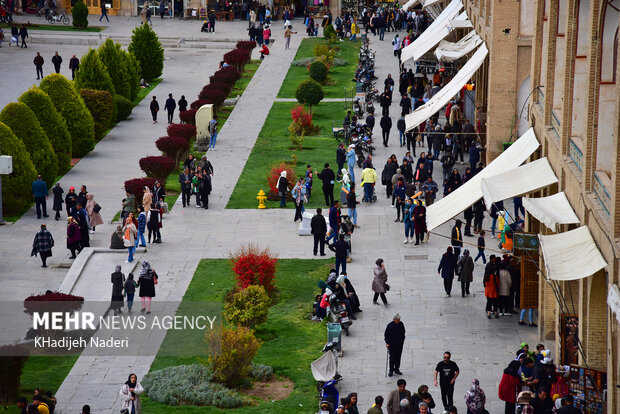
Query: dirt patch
(272,390)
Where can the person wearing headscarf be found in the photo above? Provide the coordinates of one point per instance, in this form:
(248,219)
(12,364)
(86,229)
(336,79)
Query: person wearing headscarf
(147,199)
(419,221)
(118,282)
(299,195)
(349,291)
(341,294)
(447,266)
(57,206)
(74,237)
(129,237)
(147,281)
(282,187)
(475,398)
(93,216)
(379,282)
(42,244)
(130,290)
(130,395)
(509,385)
(465,271)
(323,305)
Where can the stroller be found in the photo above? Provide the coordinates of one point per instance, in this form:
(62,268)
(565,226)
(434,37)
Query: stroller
(325,372)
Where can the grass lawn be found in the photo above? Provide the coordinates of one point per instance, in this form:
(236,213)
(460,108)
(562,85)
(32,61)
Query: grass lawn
(46,372)
(273,146)
(249,70)
(340,76)
(290,340)
(56,27)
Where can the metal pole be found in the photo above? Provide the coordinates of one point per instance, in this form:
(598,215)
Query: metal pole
(1,219)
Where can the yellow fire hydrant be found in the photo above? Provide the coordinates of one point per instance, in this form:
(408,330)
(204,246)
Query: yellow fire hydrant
(261,199)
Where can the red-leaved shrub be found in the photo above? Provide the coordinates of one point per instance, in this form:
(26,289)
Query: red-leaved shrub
(158,167)
(227,75)
(198,103)
(274,175)
(66,303)
(186,131)
(224,87)
(254,267)
(302,117)
(237,58)
(213,95)
(173,147)
(189,116)
(136,186)
(246,44)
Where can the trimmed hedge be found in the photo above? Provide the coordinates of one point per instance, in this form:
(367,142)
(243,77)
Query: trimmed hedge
(189,116)
(246,44)
(237,58)
(93,74)
(136,186)
(159,167)
(227,75)
(200,102)
(72,108)
(79,12)
(52,123)
(182,130)
(309,92)
(16,187)
(123,107)
(224,87)
(134,71)
(147,49)
(215,96)
(173,147)
(318,71)
(100,105)
(115,62)
(25,125)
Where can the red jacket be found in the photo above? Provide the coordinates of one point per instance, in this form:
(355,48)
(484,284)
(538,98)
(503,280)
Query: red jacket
(507,390)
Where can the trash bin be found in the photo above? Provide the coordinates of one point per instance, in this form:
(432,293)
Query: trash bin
(334,334)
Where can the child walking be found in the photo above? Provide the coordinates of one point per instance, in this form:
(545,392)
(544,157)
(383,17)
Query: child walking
(481,248)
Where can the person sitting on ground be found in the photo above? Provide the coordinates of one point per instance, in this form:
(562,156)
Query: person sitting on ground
(205,27)
(264,51)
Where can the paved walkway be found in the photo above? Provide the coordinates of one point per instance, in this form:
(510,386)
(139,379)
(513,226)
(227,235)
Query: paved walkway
(481,347)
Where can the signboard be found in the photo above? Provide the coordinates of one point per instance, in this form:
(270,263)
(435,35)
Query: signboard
(529,283)
(589,388)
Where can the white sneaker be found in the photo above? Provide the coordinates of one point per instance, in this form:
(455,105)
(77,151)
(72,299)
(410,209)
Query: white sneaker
(501,314)
(197,206)
(91,231)
(393,206)
(406,241)
(507,314)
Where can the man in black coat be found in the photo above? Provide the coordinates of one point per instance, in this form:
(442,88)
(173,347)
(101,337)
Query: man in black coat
(386,176)
(405,104)
(205,189)
(386,125)
(154,109)
(318,228)
(394,337)
(340,248)
(74,64)
(328,177)
(170,106)
(457,238)
(38,63)
(56,61)
(186,186)
(370,121)
(341,156)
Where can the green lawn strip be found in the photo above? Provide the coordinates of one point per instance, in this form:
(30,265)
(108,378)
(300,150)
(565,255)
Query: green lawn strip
(248,71)
(46,372)
(58,28)
(142,93)
(273,146)
(291,341)
(339,76)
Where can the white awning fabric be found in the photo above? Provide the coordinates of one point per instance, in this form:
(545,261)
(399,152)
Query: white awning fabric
(446,93)
(470,192)
(428,3)
(433,34)
(410,4)
(517,181)
(552,210)
(461,21)
(571,255)
(613,300)
(449,51)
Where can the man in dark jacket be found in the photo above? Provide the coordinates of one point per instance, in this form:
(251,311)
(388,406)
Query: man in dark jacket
(74,64)
(405,104)
(170,106)
(328,177)
(182,104)
(457,238)
(370,121)
(407,171)
(386,176)
(401,126)
(186,186)
(154,109)
(340,248)
(318,228)
(394,337)
(542,403)
(23,33)
(42,244)
(400,194)
(334,220)
(40,194)
(38,63)
(341,157)
(56,61)
(205,189)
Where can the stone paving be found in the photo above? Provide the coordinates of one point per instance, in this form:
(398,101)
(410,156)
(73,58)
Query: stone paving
(481,347)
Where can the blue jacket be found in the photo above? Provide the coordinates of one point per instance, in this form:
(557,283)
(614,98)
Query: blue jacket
(400,192)
(474,155)
(447,266)
(351,158)
(142,222)
(334,218)
(39,188)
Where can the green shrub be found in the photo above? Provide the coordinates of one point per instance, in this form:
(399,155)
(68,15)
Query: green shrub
(93,74)
(261,372)
(233,363)
(318,71)
(329,32)
(80,14)
(189,385)
(11,368)
(72,108)
(25,125)
(123,108)
(147,49)
(248,307)
(100,105)
(16,187)
(52,123)
(133,69)
(113,58)
(309,92)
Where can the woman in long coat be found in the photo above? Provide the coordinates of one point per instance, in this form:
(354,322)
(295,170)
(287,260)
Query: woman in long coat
(147,199)
(379,283)
(130,395)
(118,281)
(58,200)
(419,222)
(74,237)
(147,282)
(94,217)
(466,264)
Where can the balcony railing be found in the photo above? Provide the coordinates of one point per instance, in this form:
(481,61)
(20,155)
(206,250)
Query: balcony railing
(555,126)
(601,186)
(575,153)
(541,97)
